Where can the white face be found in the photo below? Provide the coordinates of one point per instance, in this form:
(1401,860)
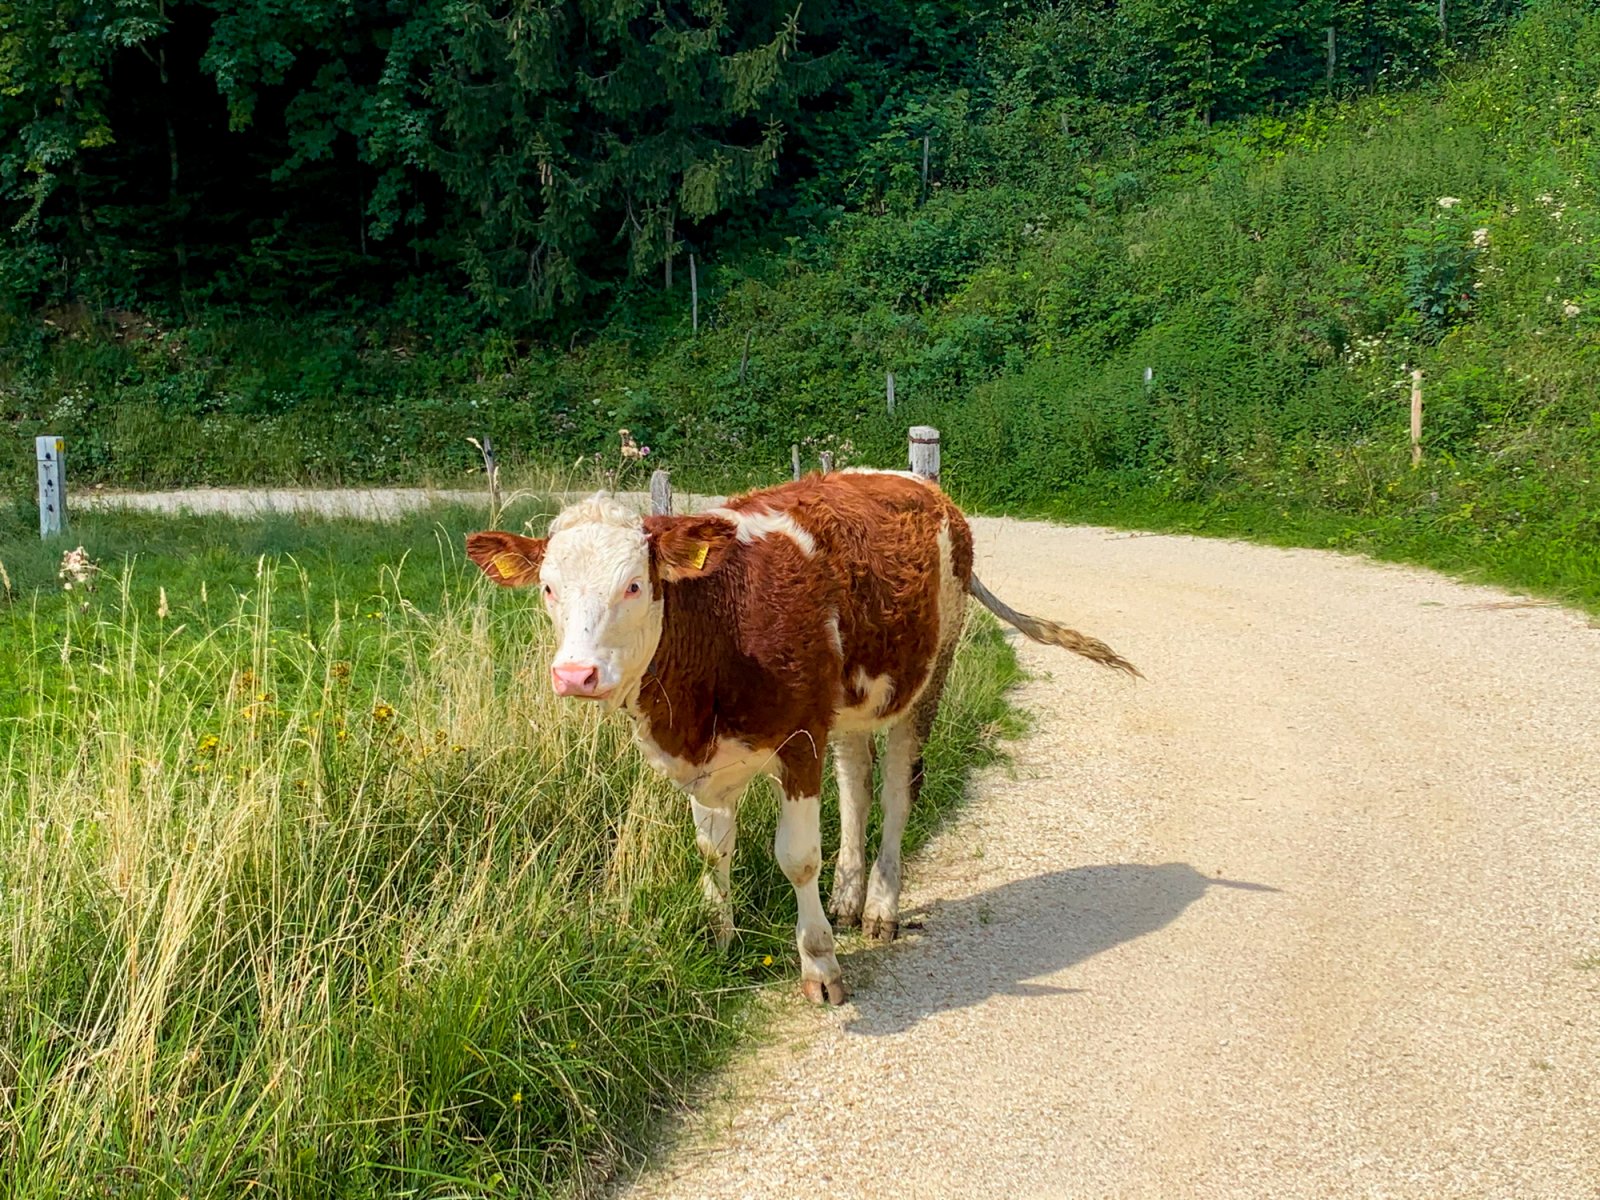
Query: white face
(596,584)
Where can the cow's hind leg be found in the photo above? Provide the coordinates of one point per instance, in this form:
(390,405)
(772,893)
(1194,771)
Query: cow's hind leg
(852,755)
(798,848)
(902,784)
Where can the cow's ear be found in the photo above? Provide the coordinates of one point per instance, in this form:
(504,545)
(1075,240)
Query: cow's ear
(689,547)
(507,558)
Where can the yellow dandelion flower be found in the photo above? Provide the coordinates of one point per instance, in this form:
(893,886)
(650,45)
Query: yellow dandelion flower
(382,712)
(516,1097)
(766,960)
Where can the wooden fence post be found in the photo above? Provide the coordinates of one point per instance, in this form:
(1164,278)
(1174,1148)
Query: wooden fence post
(888,391)
(492,469)
(50,451)
(925,452)
(660,494)
(1416,418)
(826,459)
(1333,53)
(694,296)
(794,458)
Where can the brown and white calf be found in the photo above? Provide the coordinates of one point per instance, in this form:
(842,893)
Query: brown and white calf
(742,639)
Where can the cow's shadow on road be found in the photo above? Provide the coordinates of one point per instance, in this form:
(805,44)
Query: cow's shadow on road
(999,941)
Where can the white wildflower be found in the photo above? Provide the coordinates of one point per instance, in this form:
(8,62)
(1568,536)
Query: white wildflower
(1480,238)
(630,448)
(1449,201)
(77,568)
(1569,309)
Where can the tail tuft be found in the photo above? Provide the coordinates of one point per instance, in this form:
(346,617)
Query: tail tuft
(1048,633)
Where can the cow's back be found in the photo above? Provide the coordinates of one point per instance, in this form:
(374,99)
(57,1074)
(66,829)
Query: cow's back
(895,553)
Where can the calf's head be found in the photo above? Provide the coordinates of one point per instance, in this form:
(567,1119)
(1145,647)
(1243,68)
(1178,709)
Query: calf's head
(602,572)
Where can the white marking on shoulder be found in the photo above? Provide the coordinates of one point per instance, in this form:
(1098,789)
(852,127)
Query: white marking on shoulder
(753,526)
(833,632)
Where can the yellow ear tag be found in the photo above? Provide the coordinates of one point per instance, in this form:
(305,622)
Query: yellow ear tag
(507,563)
(700,555)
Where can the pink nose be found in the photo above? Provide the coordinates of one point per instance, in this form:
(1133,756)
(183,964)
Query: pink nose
(575,679)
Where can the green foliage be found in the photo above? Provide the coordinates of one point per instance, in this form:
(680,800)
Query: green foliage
(520,148)
(259,154)
(1439,275)
(1279,275)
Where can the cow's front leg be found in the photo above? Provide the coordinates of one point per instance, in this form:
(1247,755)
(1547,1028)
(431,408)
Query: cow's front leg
(799,851)
(716,823)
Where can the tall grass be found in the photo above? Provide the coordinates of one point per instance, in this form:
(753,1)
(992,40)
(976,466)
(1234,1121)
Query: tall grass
(330,905)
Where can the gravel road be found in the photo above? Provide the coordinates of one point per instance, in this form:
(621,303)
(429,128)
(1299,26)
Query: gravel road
(1312,912)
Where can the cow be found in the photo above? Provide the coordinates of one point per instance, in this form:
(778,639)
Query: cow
(743,639)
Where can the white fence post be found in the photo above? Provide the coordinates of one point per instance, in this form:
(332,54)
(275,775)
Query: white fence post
(660,494)
(888,392)
(50,451)
(826,459)
(925,452)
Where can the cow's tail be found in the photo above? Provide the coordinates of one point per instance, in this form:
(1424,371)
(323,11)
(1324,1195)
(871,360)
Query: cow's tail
(1049,633)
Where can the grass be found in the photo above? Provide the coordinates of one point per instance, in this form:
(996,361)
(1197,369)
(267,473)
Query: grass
(309,888)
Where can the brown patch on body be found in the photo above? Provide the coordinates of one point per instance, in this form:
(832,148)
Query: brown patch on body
(745,647)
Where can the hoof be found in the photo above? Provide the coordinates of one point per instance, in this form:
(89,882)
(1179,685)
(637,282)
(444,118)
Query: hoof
(844,918)
(848,900)
(880,929)
(820,992)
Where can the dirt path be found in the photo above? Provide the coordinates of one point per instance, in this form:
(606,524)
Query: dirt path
(371,504)
(1314,912)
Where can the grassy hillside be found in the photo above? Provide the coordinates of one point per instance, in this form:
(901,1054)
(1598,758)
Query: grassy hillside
(1279,276)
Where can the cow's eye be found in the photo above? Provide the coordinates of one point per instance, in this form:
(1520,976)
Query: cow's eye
(633,588)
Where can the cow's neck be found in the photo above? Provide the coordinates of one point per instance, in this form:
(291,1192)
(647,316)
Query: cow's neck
(675,703)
